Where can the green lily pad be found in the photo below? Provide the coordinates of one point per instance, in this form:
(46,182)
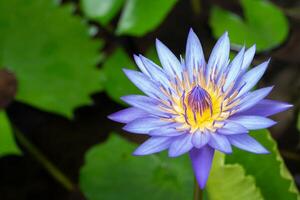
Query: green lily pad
(114,81)
(7,142)
(51,53)
(228,181)
(111,172)
(138,17)
(263,24)
(101,10)
(270,172)
(142,16)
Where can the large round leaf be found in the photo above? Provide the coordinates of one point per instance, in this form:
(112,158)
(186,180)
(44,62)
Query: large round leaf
(264,25)
(142,16)
(270,172)
(111,172)
(51,53)
(138,16)
(101,10)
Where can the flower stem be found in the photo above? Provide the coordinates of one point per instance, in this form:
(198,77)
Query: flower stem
(50,167)
(198,193)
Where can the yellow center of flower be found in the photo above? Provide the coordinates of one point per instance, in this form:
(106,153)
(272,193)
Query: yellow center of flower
(200,105)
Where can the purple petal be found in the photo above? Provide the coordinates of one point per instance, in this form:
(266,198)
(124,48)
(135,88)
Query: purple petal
(168,60)
(232,128)
(250,79)
(181,145)
(200,139)
(220,142)
(145,103)
(156,72)
(234,69)
(253,122)
(144,125)
(247,143)
(248,57)
(153,145)
(201,161)
(128,115)
(219,55)
(253,98)
(141,65)
(267,108)
(194,57)
(144,83)
(170,132)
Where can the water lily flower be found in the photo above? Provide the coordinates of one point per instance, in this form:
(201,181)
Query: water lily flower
(195,107)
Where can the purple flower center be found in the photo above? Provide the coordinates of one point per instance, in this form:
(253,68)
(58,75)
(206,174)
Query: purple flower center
(199,100)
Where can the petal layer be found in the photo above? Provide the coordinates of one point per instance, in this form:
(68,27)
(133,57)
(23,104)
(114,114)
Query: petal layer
(201,161)
(194,58)
(253,122)
(220,142)
(247,143)
(127,115)
(200,139)
(153,145)
(144,125)
(181,145)
(267,108)
(168,60)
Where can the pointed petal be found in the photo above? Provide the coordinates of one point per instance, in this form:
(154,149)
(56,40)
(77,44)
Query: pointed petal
(247,143)
(232,128)
(145,103)
(170,132)
(219,55)
(248,57)
(220,142)
(200,139)
(234,68)
(194,57)
(140,65)
(156,72)
(181,145)
(253,98)
(253,122)
(168,60)
(128,115)
(144,125)
(201,161)
(250,79)
(143,82)
(153,145)
(267,108)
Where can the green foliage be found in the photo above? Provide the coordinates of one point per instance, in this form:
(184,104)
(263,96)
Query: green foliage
(51,53)
(142,16)
(264,24)
(114,81)
(137,18)
(111,172)
(230,182)
(270,172)
(101,11)
(7,142)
